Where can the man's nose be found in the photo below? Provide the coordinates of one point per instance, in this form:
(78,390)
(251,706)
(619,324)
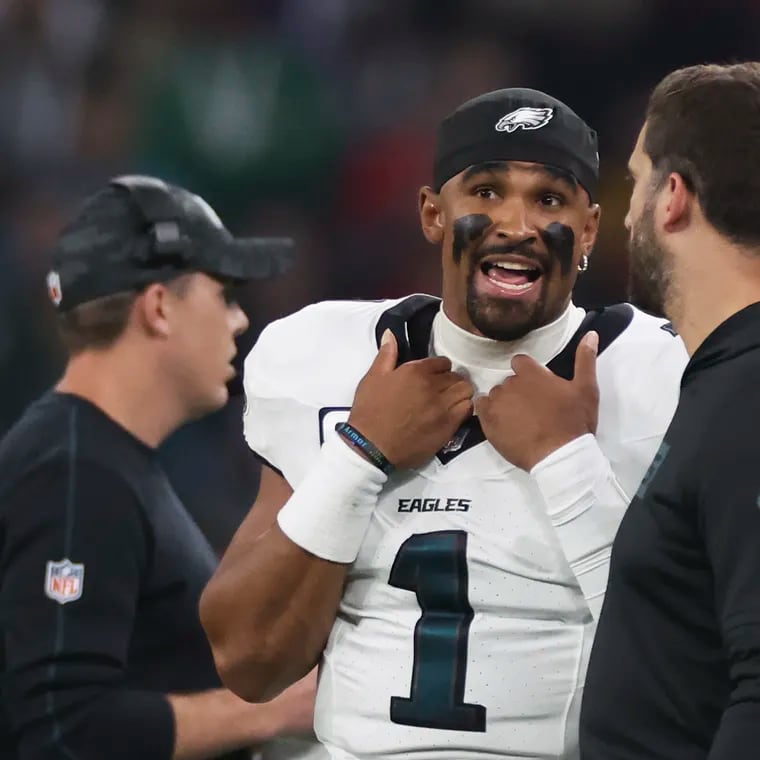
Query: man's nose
(513,222)
(239,321)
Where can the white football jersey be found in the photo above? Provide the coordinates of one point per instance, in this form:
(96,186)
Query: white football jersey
(292,749)
(463,631)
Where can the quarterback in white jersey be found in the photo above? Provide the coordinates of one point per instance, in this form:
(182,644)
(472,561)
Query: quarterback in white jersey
(468,615)
(445,561)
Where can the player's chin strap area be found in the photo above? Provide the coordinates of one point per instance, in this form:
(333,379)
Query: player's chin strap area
(609,322)
(411,322)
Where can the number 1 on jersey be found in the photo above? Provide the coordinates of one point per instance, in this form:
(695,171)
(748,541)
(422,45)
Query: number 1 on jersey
(434,567)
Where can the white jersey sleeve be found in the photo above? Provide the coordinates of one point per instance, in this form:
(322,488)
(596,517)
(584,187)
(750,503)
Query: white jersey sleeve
(586,493)
(292,370)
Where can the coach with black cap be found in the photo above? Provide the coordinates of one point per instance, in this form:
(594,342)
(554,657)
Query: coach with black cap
(102,652)
(444,552)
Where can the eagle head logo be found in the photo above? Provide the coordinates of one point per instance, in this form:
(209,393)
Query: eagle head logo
(525,118)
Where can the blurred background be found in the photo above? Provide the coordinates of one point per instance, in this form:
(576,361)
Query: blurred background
(313,118)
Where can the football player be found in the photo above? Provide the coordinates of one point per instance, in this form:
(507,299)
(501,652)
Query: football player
(443,479)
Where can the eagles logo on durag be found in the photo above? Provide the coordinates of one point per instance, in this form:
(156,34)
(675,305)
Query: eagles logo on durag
(525,118)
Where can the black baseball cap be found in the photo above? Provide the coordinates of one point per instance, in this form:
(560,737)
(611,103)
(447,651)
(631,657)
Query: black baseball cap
(517,124)
(138,230)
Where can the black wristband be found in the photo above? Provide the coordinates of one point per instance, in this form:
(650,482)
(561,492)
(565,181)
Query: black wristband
(355,438)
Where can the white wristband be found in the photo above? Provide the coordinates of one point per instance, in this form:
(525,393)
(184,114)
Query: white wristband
(329,513)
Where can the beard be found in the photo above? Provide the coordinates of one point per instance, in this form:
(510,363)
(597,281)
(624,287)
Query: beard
(650,283)
(506,319)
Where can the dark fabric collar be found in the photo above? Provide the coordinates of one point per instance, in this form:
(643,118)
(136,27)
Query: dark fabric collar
(737,335)
(411,321)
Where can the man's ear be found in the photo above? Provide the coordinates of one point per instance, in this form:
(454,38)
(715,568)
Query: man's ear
(153,310)
(591,228)
(677,200)
(431,215)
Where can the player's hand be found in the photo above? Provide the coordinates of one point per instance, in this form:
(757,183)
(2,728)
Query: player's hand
(292,712)
(410,412)
(534,412)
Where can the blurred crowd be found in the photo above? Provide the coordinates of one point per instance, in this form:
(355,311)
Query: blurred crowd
(313,118)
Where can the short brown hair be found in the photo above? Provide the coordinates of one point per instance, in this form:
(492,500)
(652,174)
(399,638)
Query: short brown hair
(95,324)
(703,122)
(99,323)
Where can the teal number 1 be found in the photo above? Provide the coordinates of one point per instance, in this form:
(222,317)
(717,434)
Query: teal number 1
(434,567)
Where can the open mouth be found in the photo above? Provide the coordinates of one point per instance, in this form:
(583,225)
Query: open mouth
(511,276)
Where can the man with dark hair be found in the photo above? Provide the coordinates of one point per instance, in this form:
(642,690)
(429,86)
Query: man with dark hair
(447,568)
(675,669)
(102,651)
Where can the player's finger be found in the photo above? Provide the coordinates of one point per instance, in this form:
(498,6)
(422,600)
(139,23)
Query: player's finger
(585,360)
(480,405)
(462,390)
(387,355)
(432,365)
(462,410)
(438,383)
(522,364)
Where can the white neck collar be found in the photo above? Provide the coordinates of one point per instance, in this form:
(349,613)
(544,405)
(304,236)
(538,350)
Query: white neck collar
(487,362)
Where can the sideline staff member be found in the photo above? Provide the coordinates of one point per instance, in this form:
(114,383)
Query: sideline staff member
(675,668)
(102,651)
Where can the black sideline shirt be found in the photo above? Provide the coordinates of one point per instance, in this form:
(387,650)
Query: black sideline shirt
(102,569)
(675,668)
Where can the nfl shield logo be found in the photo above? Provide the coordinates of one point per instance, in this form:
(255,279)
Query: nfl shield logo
(54,287)
(64,581)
